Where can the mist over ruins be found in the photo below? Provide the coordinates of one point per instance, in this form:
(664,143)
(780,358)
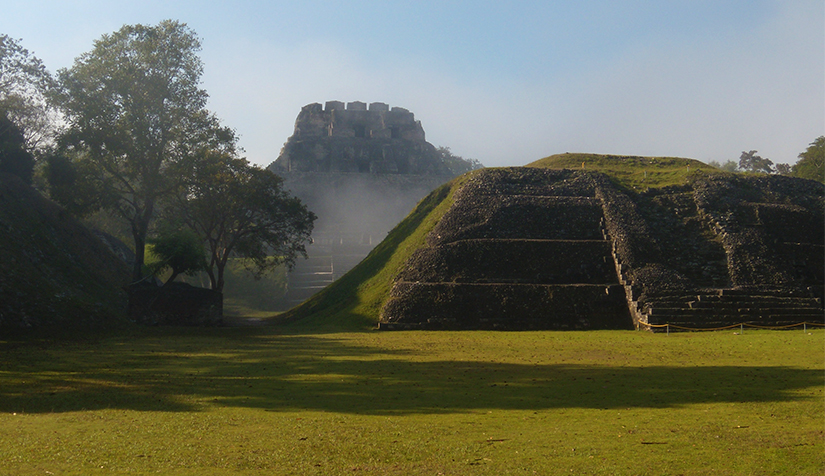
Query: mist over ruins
(361,168)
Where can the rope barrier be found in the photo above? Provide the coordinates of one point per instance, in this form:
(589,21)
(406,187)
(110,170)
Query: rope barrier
(805,325)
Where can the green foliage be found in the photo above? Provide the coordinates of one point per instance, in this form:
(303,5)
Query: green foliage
(783,169)
(458,165)
(179,250)
(241,210)
(729,166)
(243,294)
(634,173)
(70,185)
(24,87)
(811,164)
(14,158)
(751,162)
(265,401)
(135,111)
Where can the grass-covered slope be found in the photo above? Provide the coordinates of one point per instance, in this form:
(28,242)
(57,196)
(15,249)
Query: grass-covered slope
(635,173)
(354,300)
(55,272)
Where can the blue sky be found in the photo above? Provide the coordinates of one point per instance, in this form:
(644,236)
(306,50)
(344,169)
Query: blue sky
(502,82)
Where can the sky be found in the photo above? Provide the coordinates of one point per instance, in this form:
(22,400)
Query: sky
(505,83)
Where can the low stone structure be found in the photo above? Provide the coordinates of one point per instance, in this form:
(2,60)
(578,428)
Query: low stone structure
(526,248)
(177,304)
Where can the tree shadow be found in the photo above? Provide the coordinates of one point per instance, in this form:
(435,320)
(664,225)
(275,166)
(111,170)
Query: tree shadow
(255,369)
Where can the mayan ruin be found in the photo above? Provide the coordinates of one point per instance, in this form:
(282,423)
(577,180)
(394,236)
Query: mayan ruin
(361,168)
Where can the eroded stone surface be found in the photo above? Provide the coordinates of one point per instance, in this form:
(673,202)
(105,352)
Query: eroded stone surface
(719,250)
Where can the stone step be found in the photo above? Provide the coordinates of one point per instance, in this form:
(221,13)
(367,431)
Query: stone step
(524,217)
(324,272)
(699,313)
(514,261)
(710,325)
(467,305)
(310,285)
(719,323)
(740,301)
(796,303)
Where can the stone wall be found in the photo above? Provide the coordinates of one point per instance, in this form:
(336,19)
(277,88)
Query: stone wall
(175,304)
(357,138)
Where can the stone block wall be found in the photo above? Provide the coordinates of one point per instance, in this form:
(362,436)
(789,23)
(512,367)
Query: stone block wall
(177,304)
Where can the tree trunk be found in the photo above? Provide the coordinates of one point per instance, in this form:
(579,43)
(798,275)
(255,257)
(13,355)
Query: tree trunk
(174,275)
(140,255)
(140,227)
(219,283)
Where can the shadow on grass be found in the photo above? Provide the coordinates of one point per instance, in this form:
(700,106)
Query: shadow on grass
(254,369)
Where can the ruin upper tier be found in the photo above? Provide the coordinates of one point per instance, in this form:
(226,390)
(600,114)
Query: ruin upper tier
(356,138)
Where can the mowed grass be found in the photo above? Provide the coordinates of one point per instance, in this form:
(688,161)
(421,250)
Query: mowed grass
(633,172)
(269,401)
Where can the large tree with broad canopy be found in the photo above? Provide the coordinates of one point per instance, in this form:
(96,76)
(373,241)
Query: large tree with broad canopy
(135,110)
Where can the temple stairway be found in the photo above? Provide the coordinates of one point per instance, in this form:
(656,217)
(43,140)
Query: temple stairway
(532,257)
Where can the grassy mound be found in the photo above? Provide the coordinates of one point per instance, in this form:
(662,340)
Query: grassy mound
(56,274)
(354,300)
(635,173)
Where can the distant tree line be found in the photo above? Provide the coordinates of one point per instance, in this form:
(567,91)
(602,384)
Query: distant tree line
(457,164)
(126,130)
(811,163)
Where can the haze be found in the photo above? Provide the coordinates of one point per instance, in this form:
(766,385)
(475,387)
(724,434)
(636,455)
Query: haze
(505,84)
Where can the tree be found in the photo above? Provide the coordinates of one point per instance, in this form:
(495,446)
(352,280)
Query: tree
(134,110)
(783,169)
(70,185)
(811,164)
(729,166)
(241,210)
(751,162)
(14,158)
(24,88)
(458,165)
(180,250)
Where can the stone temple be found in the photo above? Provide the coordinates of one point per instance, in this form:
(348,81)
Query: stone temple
(361,169)
(531,248)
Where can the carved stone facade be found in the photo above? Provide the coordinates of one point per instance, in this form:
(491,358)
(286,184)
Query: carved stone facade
(357,138)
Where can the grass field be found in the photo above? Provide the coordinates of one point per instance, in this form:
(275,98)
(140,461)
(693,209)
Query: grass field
(271,400)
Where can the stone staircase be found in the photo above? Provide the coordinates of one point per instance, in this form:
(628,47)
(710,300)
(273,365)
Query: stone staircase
(310,276)
(725,307)
(325,263)
(530,256)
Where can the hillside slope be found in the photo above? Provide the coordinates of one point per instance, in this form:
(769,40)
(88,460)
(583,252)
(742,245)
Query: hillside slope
(56,273)
(354,300)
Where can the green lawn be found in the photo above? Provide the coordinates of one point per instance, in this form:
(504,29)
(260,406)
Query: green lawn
(272,401)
